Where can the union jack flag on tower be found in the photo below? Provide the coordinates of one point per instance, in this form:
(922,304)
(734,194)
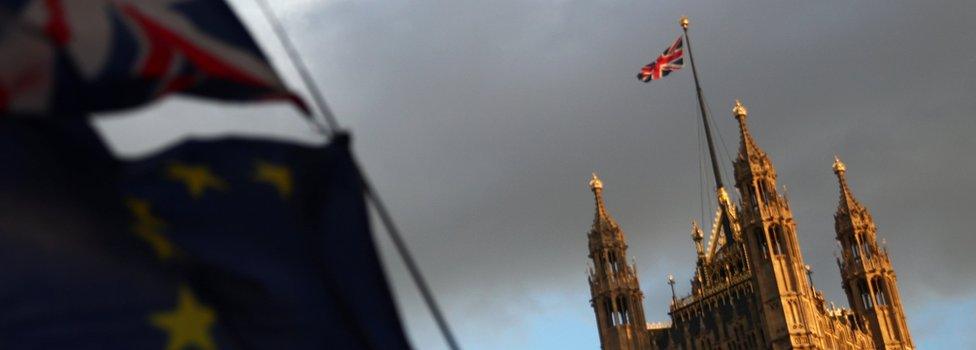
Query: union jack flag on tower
(669,61)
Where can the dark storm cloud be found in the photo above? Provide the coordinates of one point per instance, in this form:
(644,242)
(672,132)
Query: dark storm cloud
(480,122)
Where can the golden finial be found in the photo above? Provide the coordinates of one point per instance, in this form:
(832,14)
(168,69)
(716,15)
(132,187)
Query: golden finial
(739,110)
(595,183)
(723,195)
(696,232)
(684,22)
(839,166)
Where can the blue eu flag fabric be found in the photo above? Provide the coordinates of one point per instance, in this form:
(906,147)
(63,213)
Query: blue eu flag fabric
(221,244)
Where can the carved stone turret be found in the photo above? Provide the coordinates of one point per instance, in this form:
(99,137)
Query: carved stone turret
(868,277)
(615,292)
(784,289)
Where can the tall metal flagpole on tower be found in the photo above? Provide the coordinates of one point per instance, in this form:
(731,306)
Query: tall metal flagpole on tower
(368,188)
(719,187)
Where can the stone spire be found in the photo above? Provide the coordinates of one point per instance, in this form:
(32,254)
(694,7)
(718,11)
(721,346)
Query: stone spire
(748,147)
(754,171)
(602,221)
(848,203)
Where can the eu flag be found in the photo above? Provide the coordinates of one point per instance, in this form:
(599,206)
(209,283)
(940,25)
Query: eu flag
(220,244)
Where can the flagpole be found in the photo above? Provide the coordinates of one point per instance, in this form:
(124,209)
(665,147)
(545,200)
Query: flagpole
(302,68)
(368,189)
(719,187)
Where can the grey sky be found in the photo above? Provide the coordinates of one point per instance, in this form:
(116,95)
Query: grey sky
(480,122)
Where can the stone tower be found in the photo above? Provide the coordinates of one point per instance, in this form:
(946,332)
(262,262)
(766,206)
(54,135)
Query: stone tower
(869,280)
(787,302)
(616,296)
(751,288)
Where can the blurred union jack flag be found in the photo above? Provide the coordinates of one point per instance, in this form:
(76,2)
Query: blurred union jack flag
(100,55)
(669,61)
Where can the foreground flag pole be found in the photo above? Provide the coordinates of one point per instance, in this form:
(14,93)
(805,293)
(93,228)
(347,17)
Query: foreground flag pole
(302,68)
(719,187)
(371,193)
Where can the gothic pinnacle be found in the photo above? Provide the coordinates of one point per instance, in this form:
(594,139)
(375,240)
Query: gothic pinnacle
(602,219)
(698,236)
(739,111)
(595,183)
(696,232)
(840,169)
(847,200)
(748,148)
(839,166)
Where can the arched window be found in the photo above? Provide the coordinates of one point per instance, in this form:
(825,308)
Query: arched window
(608,309)
(624,311)
(880,291)
(795,311)
(612,261)
(617,320)
(855,252)
(866,247)
(761,241)
(865,294)
(761,188)
(779,240)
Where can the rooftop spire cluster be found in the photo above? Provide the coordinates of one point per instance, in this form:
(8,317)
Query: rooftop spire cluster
(761,259)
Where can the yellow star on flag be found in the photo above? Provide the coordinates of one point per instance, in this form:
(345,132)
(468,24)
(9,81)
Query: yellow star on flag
(276,175)
(197,178)
(147,226)
(188,326)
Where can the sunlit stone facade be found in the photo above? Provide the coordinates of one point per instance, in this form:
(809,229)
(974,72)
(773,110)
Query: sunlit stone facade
(751,288)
